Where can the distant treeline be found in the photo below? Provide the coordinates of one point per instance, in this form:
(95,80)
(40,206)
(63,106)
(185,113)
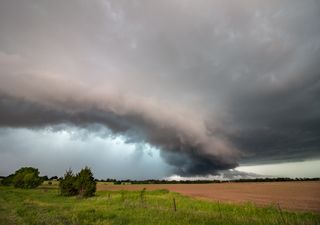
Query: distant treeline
(153,181)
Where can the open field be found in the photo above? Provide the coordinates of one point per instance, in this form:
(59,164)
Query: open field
(46,206)
(303,196)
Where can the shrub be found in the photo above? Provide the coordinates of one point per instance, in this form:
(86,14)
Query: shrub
(83,184)
(25,177)
(117,182)
(86,183)
(67,184)
(54,178)
(44,178)
(7,181)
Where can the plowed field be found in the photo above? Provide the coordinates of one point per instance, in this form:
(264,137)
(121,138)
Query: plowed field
(302,196)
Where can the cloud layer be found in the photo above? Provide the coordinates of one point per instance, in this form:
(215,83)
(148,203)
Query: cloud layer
(209,83)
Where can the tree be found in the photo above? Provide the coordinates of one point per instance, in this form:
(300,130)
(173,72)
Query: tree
(67,184)
(86,183)
(83,184)
(54,178)
(7,181)
(25,177)
(45,178)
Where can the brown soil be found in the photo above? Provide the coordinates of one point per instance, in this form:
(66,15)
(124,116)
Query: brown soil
(304,196)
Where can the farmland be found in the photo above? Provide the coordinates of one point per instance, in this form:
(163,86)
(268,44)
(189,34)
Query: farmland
(44,205)
(302,196)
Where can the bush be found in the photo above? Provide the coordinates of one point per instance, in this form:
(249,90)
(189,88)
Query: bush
(44,178)
(67,184)
(86,183)
(7,181)
(117,182)
(25,177)
(83,184)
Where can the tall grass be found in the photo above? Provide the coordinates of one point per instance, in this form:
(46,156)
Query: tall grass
(45,206)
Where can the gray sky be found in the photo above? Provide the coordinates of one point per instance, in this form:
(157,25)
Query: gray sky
(149,89)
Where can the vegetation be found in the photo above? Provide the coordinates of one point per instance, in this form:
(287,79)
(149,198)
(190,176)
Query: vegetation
(25,177)
(45,206)
(85,183)
(7,181)
(67,185)
(82,184)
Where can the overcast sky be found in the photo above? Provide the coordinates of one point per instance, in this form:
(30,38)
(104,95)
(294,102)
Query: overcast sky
(150,89)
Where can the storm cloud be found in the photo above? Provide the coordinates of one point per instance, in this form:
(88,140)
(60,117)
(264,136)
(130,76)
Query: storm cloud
(210,83)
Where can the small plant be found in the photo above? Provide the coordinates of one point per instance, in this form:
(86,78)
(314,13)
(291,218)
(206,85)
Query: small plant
(142,195)
(123,195)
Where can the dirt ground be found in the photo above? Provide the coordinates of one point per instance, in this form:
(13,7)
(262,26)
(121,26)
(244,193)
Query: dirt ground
(302,196)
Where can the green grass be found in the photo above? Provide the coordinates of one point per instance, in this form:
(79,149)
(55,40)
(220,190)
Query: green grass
(45,206)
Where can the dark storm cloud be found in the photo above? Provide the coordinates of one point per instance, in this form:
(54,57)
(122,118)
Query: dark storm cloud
(210,83)
(176,139)
(280,123)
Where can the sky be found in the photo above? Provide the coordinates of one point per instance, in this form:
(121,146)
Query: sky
(139,89)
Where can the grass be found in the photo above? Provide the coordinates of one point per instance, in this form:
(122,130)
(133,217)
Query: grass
(45,206)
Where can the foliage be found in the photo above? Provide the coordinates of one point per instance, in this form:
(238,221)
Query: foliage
(85,183)
(25,177)
(7,181)
(45,178)
(117,182)
(67,185)
(82,184)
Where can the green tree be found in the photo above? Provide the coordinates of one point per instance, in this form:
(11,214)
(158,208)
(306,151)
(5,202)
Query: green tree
(86,183)
(26,177)
(7,181)
(67,184)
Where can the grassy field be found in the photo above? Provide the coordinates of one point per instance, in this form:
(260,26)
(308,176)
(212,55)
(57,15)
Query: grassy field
(45,206)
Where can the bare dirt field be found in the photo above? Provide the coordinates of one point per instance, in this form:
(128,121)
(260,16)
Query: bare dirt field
(304,196)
